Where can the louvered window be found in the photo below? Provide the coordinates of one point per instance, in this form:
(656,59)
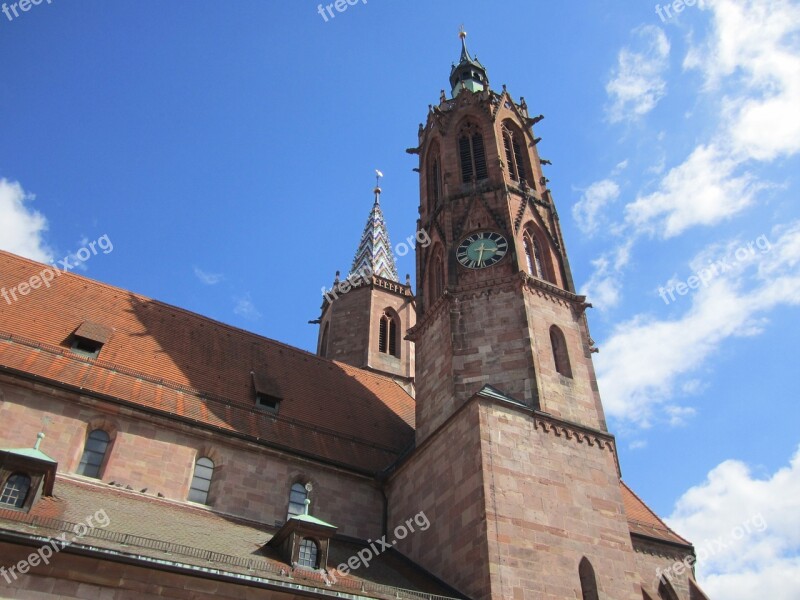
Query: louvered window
(515,159)
(434,183)
(518,157)
(510,158)
(472,154)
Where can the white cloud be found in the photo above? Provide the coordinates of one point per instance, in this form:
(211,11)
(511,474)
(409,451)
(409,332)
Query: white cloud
(245,308)
(647,362)
(706,189)
(208,278)
(755,44)
(21,228)
(637,84)
(588,211)
(751,63)
(746,531)
(604,287)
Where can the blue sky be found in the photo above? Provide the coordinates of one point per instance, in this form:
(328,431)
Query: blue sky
(228,149)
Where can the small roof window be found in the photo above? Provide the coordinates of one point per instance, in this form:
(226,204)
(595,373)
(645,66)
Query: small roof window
(89,338)
(268,394)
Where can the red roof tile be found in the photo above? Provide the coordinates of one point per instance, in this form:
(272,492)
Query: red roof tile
(165,358)
(140,525)
(644,521)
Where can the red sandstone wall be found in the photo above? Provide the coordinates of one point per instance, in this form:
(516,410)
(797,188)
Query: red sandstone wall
(250,481)
(575,399)
(550,502)
(444,480)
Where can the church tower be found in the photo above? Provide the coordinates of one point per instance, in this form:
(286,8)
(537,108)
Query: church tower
(511,439)
(366,315)
(495,279)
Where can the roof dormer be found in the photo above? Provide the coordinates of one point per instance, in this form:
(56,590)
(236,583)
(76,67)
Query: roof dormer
(26,474)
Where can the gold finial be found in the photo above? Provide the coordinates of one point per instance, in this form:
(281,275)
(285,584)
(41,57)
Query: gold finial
(461,33)
(377,190)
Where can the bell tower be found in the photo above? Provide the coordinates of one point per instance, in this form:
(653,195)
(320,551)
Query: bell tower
(496,301)
(511,440)
(365,316)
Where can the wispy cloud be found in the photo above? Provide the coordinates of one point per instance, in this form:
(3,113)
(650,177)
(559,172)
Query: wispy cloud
(648,363)
(588,211)
(245,308)
(208,278)
(707,188)
(637,84)
(22,228)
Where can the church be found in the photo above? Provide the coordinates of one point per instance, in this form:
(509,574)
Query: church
(446,441)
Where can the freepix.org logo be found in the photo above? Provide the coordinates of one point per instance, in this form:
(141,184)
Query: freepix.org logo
(13,10)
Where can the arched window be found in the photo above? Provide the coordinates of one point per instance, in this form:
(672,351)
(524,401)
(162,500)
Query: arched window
(201,482)
(436,277)
(434,178)
(15,491)
(297,500)
(536,260)
(387,336)
(665,591)
(560,355)
(94,453)
(323,345)
(513,142)
(308,554)
(472,154)
(588,581)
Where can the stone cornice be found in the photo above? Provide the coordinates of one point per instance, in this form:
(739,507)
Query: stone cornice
(548,423)
(544,288)
(653,546)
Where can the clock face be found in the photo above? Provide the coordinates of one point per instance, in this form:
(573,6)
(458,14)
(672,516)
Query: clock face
(481,250)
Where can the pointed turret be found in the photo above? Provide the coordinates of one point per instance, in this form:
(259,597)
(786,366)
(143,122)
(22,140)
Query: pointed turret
(365,316)
(469,73)
(374,254)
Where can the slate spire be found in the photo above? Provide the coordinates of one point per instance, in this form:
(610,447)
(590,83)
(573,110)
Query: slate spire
(374,254)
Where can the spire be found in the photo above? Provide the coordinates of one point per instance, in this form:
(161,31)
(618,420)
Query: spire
(469,73)
(374,254)
(465,57)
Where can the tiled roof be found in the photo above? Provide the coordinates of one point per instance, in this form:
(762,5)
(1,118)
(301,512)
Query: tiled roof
(177,362)
(374,253)
(644,521)
(141,525)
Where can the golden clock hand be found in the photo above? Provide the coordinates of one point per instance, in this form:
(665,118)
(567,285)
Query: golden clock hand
(481,250)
